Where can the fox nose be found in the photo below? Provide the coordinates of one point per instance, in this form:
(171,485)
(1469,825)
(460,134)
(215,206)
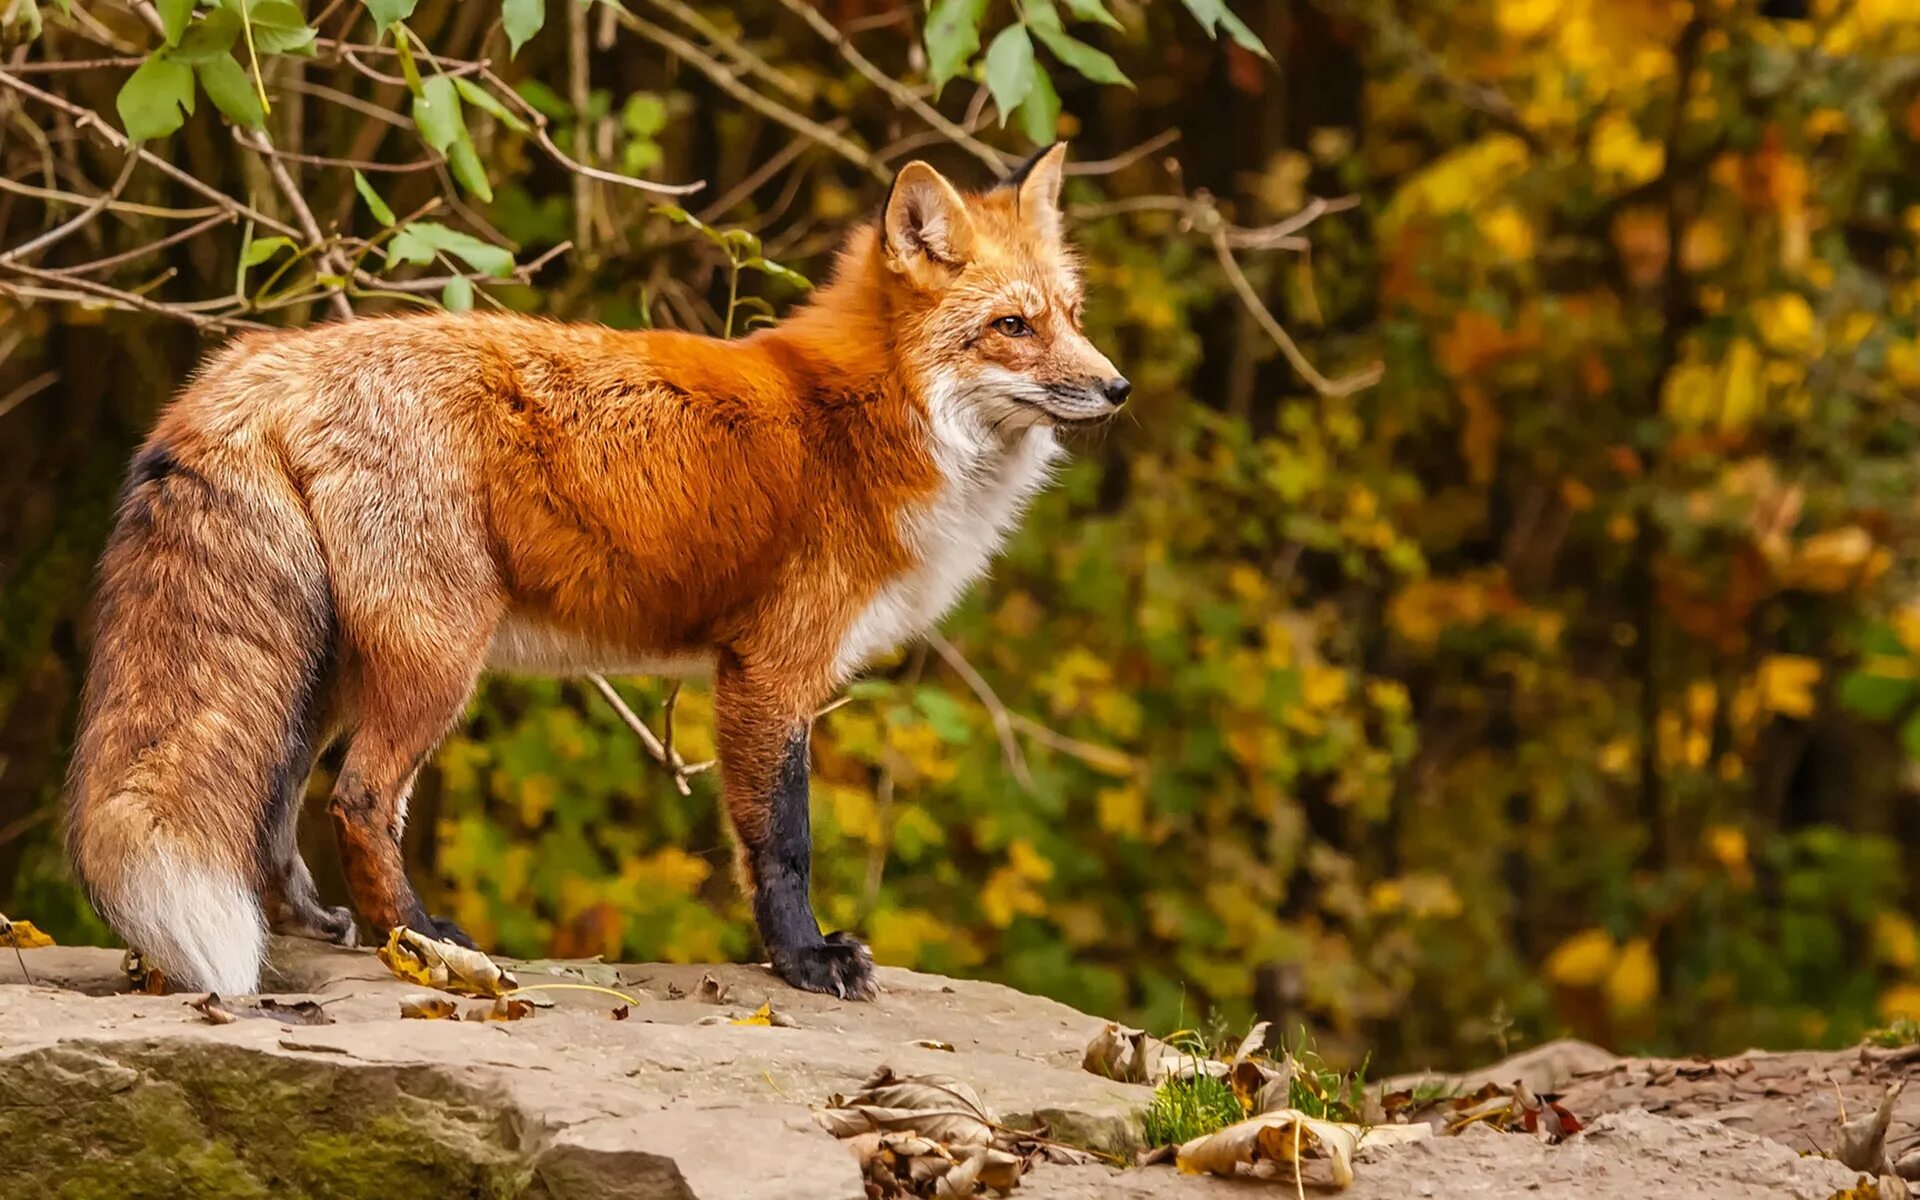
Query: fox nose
(1117,390)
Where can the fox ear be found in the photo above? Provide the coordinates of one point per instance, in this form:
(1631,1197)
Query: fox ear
(1038,180)
(925,224)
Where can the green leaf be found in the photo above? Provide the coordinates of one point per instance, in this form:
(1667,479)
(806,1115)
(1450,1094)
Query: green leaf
(28,16)
(523,19)
(156,99)
(1093,10)
(488,103)
(457,296)
(774,270)
(1010,69)
(1214,15)
(420,242)
(211,37)
(1040,115)
(1238,31)
(467,168)
(436,112)
(1093,64)
(375,204)
(1910,736)
(644,114)
(263,249)
(174,17)
(1875,697)
(279,27)
(545,101)
(386,12)
(952,37)
(231,89)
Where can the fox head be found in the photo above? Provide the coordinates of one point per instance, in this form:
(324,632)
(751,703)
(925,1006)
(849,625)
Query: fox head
(985,296)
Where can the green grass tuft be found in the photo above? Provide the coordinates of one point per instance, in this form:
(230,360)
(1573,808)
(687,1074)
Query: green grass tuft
(1184,1109)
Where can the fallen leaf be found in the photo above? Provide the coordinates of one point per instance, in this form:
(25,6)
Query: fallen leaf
(148,980)
(934,1106)
(222,1012)
(712,991)
(1252,1044)
(1261,1088)
(420,959)
(761,1016)
(1288,1136)
(1862,1142)
(619,1012)
(428,1008)
(21,935)
(503,1008)
(1132,1056)
(931,1044)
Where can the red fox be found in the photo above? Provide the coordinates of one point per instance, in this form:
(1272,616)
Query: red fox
(331,532)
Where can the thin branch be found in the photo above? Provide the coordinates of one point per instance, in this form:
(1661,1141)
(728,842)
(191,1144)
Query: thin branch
(78,290)
(27,391)
(726,81)
(675,765)
(78,221)
(141,251)
(331,257)
(1002,720)
(752,63)
(1347,385)
(87,119)
(1126,158)
(901,95)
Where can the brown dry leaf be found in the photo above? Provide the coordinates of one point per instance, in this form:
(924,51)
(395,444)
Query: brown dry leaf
(1132,1056)
(144,979)
(1261,1087)
(934,1106)
(21,935)
(619,1012)
(503,1008)
(931,1044)
(1288,1136)
(1862,1142)
(712,991)
(428,1008)
(420,959)
(223,1012)
(1253,1043)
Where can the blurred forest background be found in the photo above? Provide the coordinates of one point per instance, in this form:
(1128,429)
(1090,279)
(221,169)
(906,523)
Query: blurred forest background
(1499,618)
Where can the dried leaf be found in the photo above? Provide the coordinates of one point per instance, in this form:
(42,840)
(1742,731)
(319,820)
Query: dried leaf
(761,1016)
(428,1008)
(1131,1056)
(619,1012)
(1862,1142)
(222,1012)
(503,1008)
(1261,1088)
(147,980)
(21,935)
(935,1106)
(420,959)
(1252,1044)
(1287,1136)
(712,991)
(931,1044)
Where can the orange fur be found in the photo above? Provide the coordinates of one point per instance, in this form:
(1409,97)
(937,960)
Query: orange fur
(333,531)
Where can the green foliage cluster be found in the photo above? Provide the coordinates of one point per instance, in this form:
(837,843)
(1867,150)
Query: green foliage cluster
(1565,681)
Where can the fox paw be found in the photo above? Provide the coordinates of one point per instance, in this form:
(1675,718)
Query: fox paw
(447,930)
(839,966)
(334,925)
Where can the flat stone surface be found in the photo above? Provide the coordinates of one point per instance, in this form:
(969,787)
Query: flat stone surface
(103,1093)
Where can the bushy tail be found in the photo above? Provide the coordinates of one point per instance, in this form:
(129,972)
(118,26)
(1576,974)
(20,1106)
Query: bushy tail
(214,623)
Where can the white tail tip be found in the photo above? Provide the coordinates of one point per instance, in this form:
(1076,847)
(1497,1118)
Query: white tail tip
(199,924)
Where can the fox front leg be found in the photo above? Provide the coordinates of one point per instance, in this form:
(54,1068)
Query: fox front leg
(763,765)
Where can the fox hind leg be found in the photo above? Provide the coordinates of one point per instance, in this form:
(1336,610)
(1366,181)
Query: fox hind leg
(409,698)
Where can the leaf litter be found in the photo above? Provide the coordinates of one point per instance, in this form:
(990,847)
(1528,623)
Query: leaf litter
(1243,1112)
(226,1012)
(433,963)
(933,1136)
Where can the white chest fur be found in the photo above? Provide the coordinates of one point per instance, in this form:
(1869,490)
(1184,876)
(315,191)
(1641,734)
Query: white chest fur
(984,489)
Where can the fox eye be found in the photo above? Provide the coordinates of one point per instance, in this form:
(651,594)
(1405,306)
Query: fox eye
(1013,326)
